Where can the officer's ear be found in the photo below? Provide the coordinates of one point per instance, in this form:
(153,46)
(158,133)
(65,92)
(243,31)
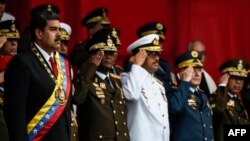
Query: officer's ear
(38,33)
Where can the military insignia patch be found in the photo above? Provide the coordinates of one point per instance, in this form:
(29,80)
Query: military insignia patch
(159,26)
(240,66)
(194,54)
(156,42)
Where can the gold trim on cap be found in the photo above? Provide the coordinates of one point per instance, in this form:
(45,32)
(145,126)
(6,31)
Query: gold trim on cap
(149,32)
(102,46)
(64,34)
(11,35)
(190,62)
(102,20)
(235,71)
(152,48)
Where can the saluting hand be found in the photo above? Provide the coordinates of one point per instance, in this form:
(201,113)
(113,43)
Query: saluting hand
(224,79)
(140,57)
(186,75)
(97,58)
(2,41)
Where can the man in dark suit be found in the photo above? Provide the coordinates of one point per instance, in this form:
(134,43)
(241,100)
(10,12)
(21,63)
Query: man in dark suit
(99,96)
(38,85)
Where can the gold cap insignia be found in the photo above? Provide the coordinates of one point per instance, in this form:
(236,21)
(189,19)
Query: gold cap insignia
(13,26)
(104,13)
(114,33)
(109,42)
(49,8)
(194,54)
(159,26)
(240,66)
(156,42)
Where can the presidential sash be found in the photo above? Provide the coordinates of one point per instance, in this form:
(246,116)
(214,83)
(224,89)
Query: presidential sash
(47,116)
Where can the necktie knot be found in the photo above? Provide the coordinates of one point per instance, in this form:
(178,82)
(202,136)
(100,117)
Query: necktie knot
(53,66)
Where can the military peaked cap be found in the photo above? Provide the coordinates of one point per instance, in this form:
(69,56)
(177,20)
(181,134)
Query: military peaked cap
(148,43)
(98,15)
(152,28)
(235,67)
(189,58)
(44,7)
(8,29)
(102,40)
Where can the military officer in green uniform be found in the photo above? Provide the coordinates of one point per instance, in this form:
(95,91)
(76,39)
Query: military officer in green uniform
(98,95)
(227,106)
(9,37)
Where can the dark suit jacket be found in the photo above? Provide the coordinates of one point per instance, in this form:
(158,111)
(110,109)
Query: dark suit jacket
(27,87)
(100,119)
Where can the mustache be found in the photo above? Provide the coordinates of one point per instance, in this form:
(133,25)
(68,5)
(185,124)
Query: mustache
(57,39)
(156,62)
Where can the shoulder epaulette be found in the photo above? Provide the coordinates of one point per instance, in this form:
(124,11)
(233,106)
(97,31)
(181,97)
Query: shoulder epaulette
(117,66)
(159,81)
(115,76)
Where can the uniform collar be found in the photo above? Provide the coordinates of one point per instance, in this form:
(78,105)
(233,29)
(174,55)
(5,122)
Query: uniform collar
(101,75)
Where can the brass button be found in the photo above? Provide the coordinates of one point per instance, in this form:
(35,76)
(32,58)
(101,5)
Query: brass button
(111,101)
(117,133)
(114,111)
(116,122)
(123,112)
(204,125)
(100,136)
(124,123)
(125,134)
(74,135)
(120,102)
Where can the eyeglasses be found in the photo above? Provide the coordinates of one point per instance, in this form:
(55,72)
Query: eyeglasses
(153,54)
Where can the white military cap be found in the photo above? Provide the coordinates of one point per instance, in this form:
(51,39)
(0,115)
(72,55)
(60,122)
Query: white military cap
(149,43)
(65,31)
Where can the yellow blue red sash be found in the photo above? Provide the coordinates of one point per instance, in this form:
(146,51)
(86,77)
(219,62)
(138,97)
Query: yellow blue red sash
(47,116)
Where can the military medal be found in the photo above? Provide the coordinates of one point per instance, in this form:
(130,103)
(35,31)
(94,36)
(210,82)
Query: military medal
(230,105)
(192,102)
(103,85)
(102,101)
(99,91)
(60,96)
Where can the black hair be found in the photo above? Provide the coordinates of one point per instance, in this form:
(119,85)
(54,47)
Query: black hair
(39,21)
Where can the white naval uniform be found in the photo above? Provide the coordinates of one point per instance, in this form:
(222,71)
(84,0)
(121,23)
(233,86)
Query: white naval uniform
(147,107)
(7,16)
